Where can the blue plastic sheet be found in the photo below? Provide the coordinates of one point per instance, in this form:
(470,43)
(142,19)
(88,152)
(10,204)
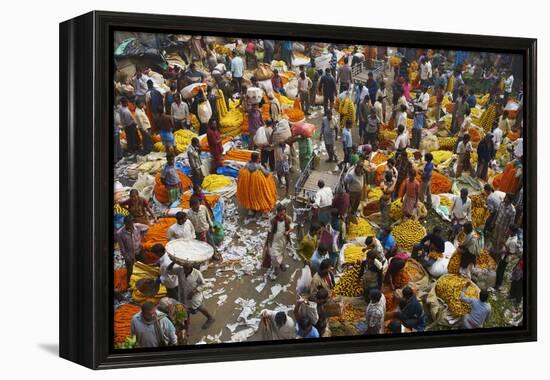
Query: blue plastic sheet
(217,210)
(118,220)
(182,168)
(228,171)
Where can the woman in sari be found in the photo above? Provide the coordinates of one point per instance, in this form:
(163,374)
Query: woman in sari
(215,146)
(138,207)
(411,191)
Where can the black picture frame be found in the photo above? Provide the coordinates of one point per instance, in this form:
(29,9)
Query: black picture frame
(86,189)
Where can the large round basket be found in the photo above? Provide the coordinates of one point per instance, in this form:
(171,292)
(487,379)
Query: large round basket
(189,251)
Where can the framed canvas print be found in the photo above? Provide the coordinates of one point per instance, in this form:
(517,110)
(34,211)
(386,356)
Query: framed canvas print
(238,189)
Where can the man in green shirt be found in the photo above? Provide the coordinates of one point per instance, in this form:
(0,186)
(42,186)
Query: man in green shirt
(305,149)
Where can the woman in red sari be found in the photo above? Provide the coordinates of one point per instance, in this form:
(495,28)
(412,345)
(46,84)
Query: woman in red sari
(411,191)
(215,145)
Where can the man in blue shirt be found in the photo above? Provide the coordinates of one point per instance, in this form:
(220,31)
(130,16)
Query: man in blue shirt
(481,310)
(411,314)
(425,185)
(305,330)
(432,242)
(418,123)
(318,256)
(471,99)
(372,87)
(347,142)
(386,239)
(327,84)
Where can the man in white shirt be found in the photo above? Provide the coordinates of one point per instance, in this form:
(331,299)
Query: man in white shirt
(461,211)
(182,229)
(518,147)
(425,71)
(140,85)
(304,87)
(180,113)
(494,199)
(497,137)
(379,109)
(508,83)
(142,120)
(279,324)
(402,140)
(237,69)
(170,281)
(323,201)
(402,116)
(424,99)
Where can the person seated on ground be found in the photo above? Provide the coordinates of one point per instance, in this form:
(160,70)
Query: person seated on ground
(138,207)
(190,282)
(323,279)
(279,324)
(315,311)
(467,262)
(370,274)
(430,248)
(410,313)
(396,276)
(376,310)
(471,239)
(309,243)
(480,313)
(386,239)
(305,329)
(182,229)
(152,328)
(373,244)
(320,254)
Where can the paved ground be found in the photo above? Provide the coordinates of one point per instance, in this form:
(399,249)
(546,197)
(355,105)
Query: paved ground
(244,286)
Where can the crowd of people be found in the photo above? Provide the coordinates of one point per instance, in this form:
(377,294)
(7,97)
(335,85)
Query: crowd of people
(417,93)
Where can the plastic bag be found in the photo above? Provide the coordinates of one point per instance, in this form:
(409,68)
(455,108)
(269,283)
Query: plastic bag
(192,90)
(439,268)
(260,138)
(302,286)
(266,85)
(303,129)
(255,94)
(205,111)
(281,133)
